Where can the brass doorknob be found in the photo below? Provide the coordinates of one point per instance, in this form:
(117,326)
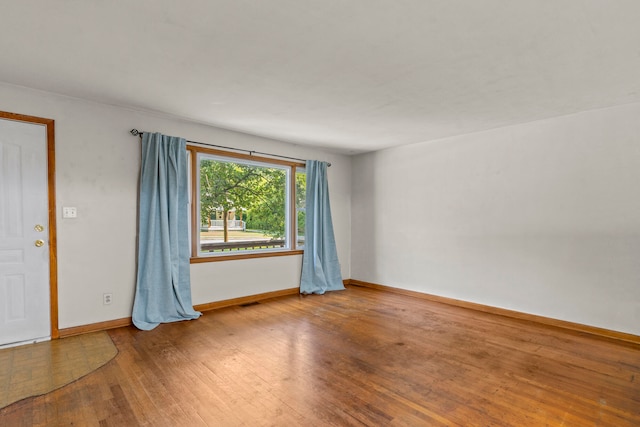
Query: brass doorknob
(38,228)
(39,242)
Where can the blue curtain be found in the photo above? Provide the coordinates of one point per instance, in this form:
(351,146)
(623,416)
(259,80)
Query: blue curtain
(163,288)
(320,264)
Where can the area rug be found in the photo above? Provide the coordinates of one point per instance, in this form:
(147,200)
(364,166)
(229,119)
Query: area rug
(35,369)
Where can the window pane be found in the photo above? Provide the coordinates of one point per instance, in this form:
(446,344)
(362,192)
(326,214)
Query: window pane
(243,206)
(301,192)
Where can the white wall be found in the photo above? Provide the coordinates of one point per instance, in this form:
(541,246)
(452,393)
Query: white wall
(97,164)
(541,218)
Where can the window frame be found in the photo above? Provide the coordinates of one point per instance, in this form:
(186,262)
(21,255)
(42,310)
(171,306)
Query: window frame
(194,207)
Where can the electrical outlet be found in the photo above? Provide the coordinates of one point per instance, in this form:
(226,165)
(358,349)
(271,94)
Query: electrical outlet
(106,298)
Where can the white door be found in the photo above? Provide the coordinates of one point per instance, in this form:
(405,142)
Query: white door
(24,233)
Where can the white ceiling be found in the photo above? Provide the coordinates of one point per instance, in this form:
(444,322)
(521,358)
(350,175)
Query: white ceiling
(350,75)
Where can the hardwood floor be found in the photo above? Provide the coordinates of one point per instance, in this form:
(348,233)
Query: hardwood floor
(355,357)
(35,369)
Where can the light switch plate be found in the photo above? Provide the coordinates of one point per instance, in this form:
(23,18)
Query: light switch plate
(69,212)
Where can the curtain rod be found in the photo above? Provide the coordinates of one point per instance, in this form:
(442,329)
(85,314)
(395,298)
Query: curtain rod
(136,132)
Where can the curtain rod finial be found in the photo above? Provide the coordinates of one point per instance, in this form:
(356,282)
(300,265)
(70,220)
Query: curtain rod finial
(135,132)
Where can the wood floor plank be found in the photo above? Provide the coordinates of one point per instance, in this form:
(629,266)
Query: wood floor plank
(359,357)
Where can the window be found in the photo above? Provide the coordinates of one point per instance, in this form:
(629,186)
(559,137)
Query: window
(244,206)
(301,191)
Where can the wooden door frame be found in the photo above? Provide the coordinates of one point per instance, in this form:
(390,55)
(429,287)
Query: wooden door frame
(49,125)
